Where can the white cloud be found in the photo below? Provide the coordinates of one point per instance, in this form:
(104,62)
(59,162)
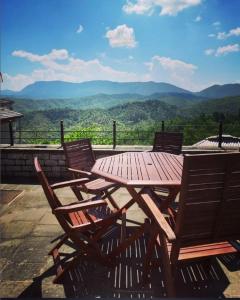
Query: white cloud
(209,51)
(121,36)
(167,7)
(212,35)
(227,49)
(216,24)
(232,32)
(15,83)
(80,29)
(220,51)
(175,71)
(59,65)
(55,54)
(198,19)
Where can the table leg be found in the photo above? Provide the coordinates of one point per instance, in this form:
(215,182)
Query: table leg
(173,191)
(136,198)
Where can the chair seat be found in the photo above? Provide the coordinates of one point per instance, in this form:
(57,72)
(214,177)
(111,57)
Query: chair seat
(204,250)
(99,185)
(101,212)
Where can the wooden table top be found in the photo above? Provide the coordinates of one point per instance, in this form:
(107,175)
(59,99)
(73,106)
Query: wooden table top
(141,168)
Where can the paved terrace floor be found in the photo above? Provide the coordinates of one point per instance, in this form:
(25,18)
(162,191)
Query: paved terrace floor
(29,230)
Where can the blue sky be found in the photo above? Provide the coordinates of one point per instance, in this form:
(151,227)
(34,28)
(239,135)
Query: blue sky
(190,43)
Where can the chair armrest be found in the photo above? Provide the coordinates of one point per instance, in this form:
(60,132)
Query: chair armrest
(76,207)
(85,173)
(158,217)
(69,183)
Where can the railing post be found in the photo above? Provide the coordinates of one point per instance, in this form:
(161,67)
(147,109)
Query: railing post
(163,126)
(62,132)
(114,134)
(220,132)
(11,133)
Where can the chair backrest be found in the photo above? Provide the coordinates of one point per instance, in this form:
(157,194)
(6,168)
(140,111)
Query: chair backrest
(79,154)
(81,218)
(209,203)
(49,193)
(67,220)
(170,142)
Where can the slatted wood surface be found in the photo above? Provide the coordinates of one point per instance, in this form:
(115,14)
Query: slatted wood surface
(79,154)
(210,198)
(141,168)
(170,142)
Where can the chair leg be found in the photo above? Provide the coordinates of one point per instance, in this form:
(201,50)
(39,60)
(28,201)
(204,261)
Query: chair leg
(167,268)
(77,193)
(149,254)
(59,244)
(61,270)
(127,242)
(108,195)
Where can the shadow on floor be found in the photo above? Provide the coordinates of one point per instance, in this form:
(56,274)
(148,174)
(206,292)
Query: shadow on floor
(203,278)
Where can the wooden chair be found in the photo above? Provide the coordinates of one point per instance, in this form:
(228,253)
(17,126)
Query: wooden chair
(80,159)
(208,216)
(85,224)
(170,142)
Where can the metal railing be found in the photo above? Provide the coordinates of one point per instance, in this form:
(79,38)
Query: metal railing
(192,134)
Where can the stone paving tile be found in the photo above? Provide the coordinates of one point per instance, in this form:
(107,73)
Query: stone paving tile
(3,263)
(9,247)
(48,218)
(32,250)
(21,271)
(49,230)
(16,229)
(21,214)
(12,289)
(34,199)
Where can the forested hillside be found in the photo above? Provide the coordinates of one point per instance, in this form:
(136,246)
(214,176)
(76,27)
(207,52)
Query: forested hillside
(197,118)
(132,113)
(102,101)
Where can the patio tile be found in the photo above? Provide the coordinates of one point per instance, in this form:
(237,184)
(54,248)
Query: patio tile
(21,271)
(34,250)
(48,218)
(16,229)
(3,263)
(31,214)
(8,247)
(49,230)
(233,290)
(12,289)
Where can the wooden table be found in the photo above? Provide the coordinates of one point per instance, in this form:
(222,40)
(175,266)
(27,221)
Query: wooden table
(145,169)
(142,169)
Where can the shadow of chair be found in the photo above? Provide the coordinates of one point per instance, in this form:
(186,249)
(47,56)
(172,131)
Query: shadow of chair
(207,221)
(85,224)
(89,280)
(80,159)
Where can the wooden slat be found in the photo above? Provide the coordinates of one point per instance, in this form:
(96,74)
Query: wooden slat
(206,250)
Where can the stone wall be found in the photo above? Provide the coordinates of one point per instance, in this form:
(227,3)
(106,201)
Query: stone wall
(17,162)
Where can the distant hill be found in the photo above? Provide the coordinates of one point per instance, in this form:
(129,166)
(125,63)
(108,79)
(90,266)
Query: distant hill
(226,105)
(133,113)
(103,101)
(61,89)
(220,91)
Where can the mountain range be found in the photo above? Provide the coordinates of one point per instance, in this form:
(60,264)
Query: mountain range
(63,90)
